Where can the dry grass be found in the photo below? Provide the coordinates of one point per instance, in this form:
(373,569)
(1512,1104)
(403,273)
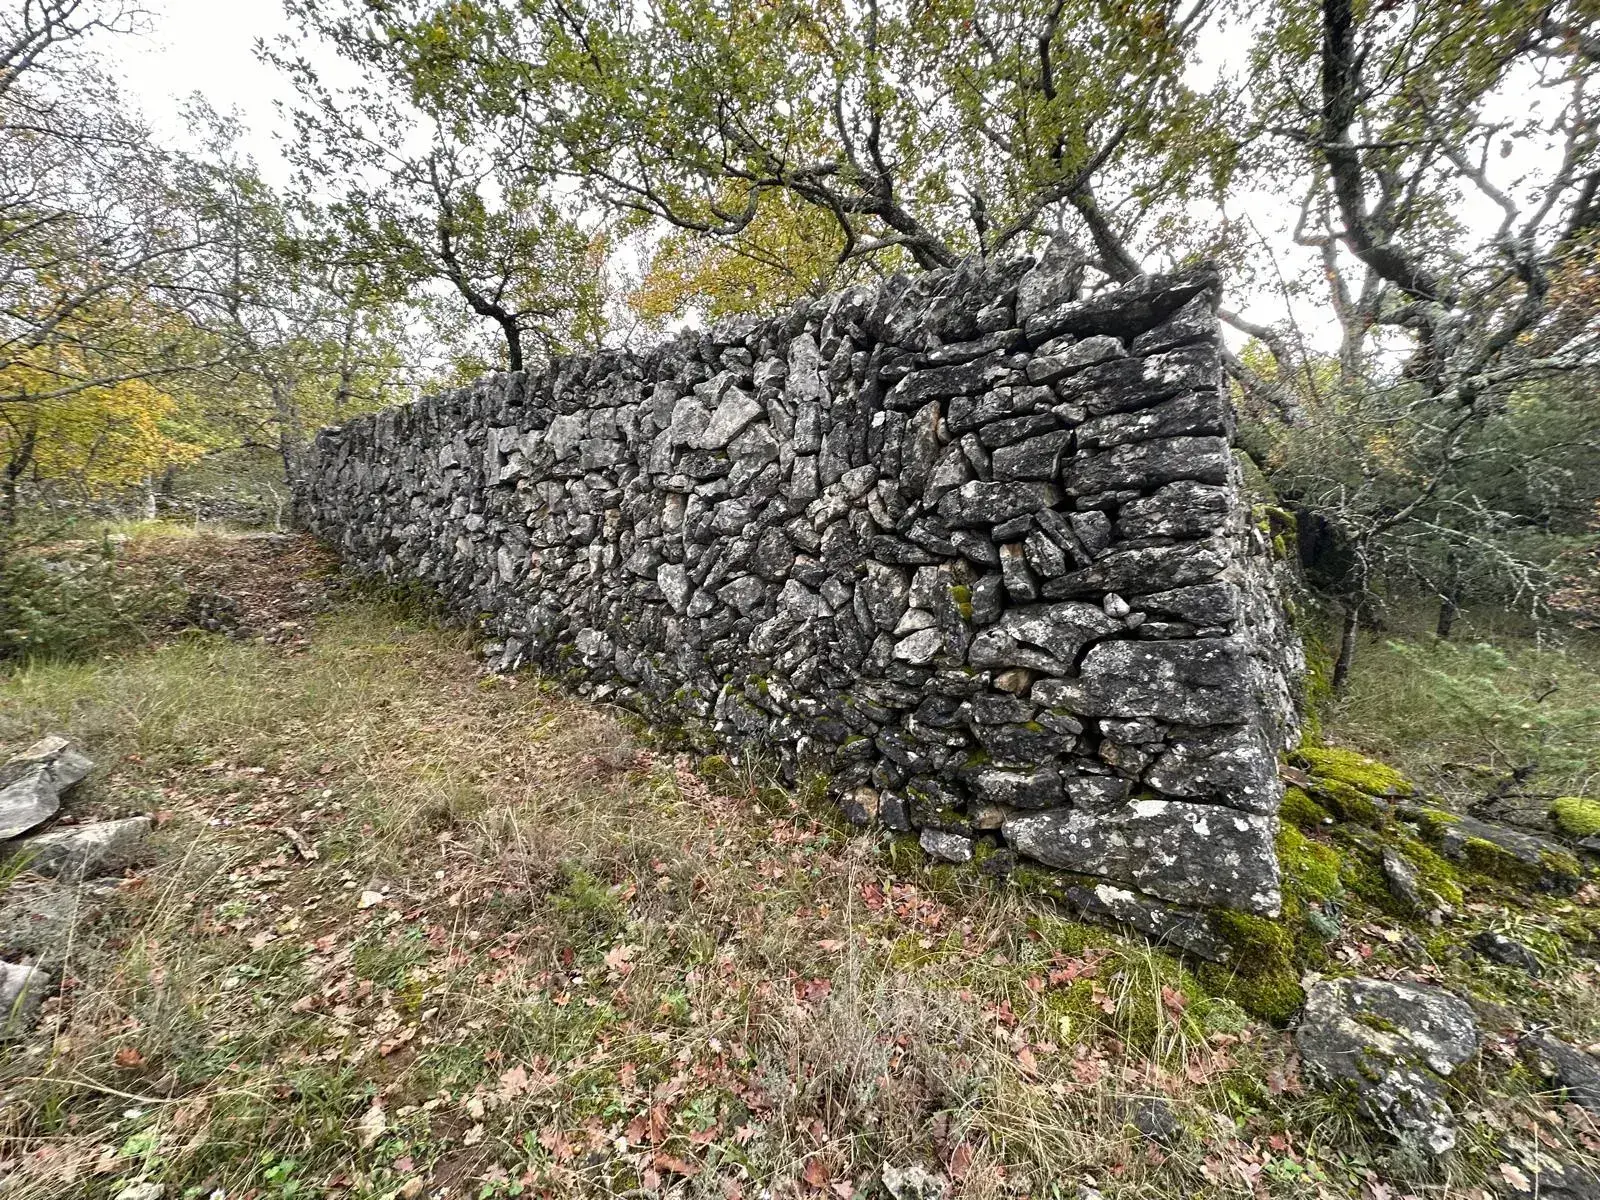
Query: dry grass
(555,960)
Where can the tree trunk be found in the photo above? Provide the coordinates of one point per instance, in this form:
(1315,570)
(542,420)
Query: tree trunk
(508,326)
(1347,645)
(1449,600)
(14,469)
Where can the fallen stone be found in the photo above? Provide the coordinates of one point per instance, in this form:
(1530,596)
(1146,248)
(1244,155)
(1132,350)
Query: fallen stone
(32,782)
(1392,1046)
(1153,1117)
(1567,1067)
(1401,877)
(914,1182)
(75,851)
(1507,952)
(1502,852)
(21,990)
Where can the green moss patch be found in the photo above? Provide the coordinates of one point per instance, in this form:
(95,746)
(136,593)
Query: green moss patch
(1357,770)
(1576,816)
(1347,802)
(1260,975)
(1301,810)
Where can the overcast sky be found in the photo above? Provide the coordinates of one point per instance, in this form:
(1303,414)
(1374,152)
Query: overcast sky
(207,46)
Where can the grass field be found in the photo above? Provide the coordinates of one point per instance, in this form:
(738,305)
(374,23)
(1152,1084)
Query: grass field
(406,929)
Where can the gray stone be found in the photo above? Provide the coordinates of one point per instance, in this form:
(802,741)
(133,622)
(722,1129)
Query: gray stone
(1567,1067)
(1205,681)
(981,503)
(1170,849)
(1390,1045)
(32,782)
(1184,509)
(1402,881)
(1145,465)
(1543,863)
(22,988)
(72,852)
(1509,952)
(950,847)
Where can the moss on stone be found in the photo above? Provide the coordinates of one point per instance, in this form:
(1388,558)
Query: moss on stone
(1348,803)
(1260,975)
(962,595)
(1310,869)
(1576,816)
(1301,810)
(1346,766)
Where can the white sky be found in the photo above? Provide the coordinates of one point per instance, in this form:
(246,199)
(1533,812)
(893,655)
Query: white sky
(207,46)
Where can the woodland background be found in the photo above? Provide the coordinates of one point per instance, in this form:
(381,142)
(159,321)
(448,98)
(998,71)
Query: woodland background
(491,184)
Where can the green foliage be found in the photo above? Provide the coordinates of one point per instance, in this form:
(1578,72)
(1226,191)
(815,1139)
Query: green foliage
(72,602)
(1422,704)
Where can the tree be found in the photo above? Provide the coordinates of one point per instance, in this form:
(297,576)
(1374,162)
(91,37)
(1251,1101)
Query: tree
(932,130)
(788,251)
(91,245)
(421,198)
(1389,123)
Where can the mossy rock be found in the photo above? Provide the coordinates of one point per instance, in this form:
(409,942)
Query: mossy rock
(1301,810)
(1260,975)
(1347,802)
(1346,766)
(1576,816)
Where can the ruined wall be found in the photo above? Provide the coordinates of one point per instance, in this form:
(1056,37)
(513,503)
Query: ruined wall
(970,544)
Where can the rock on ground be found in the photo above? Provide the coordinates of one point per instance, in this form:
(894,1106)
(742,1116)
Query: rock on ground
(1566,1066)
(75,851)
(31,783)
(21,989)
(1392,1045)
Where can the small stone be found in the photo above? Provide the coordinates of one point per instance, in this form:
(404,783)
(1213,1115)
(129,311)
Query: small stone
(1507,952)
(860,805)
(74,851)
(1016,681)
(920,648)
(32,783)
(1401,878)
(22,988)
(1115,606)
(1153,1117)
(1567,1066)
(948,847)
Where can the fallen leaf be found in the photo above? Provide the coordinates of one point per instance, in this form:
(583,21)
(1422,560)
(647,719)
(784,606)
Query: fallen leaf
(815,1173)
(677,1166)
(128,1058)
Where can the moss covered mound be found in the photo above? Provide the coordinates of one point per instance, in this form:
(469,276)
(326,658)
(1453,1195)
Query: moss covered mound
(1576,816)
(1352,769)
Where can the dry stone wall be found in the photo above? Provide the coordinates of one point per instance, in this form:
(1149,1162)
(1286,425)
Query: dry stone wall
(971,544)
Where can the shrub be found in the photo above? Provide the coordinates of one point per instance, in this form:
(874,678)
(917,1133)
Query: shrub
(71,601)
